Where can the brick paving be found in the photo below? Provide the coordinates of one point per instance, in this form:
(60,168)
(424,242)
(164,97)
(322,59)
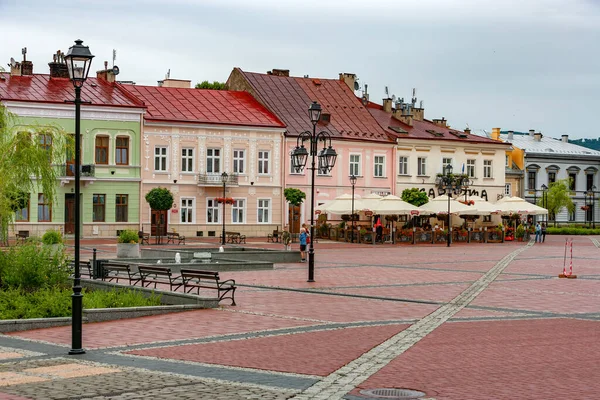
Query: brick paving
(476,321)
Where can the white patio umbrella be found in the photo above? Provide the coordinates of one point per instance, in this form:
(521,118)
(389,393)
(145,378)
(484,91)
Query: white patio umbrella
(342,205)
(369,201)
(391,204)
(439,205)
(516,205)
(482,207)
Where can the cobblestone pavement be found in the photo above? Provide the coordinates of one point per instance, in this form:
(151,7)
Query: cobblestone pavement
(478,321)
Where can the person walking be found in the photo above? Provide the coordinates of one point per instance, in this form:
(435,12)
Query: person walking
(543,232)
(303,237)
(538,233)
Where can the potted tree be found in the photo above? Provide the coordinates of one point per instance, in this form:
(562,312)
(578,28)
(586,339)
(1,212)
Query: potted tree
(160,199)
(520,232)
(53,240)
(128,244)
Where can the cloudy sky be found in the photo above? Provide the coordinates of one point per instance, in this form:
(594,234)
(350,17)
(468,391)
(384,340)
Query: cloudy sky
(514,64)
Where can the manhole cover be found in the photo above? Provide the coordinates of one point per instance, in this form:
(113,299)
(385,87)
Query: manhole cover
(385,393)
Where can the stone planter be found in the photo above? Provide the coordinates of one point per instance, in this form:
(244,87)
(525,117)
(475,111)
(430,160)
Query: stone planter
(128,250)
(54,248)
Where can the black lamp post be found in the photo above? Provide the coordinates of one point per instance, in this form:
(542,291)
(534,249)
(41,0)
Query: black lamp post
(589,206)
(79,61)
(450,184)
(327,157)
(224,178)
(593,213)
(544,200)
(352,182)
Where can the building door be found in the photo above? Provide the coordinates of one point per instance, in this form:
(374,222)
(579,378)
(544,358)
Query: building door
(158,221)
(294,219)
(69,213)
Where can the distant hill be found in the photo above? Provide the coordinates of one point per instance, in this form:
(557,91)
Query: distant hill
(593,144)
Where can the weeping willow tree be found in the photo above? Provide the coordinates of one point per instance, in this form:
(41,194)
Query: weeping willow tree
(28,155)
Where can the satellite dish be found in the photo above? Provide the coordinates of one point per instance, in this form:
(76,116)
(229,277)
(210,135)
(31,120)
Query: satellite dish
(115,70)
(393,97)
(12,62)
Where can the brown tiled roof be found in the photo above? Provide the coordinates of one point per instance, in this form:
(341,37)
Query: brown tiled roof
(204,106)
(290,97)
(41,88)
(425,129)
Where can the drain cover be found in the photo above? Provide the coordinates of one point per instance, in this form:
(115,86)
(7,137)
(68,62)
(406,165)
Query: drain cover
(385,393)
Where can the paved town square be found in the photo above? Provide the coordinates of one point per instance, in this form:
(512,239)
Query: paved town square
(477,321)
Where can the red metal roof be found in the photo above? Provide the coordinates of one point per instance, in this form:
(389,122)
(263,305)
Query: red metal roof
(290,97)
(204,106)
(40,88)
(423,129)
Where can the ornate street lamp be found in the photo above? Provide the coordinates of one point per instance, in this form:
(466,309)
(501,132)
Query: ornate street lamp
(545,200)
(326,156)
(224,178)
(79,61)
(450,184)
(352,182)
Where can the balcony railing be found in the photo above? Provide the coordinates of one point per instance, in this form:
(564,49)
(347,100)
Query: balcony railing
(88,170)
(214,179)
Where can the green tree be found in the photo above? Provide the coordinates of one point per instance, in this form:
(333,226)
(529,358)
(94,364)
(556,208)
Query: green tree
(295,197)
(557,198)
(216,85)
(160,199)
(28,154)
(415,197)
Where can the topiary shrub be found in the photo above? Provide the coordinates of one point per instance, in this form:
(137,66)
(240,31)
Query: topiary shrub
(52,237)
(128,236)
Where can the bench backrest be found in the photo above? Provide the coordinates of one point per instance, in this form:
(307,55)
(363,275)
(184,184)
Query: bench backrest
(144,269)
(198,274)
(23,233)
(232,233)
(115,267)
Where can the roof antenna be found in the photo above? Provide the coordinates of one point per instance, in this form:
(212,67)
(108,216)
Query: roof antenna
(414,97)
(114,56)
(387,93)
(168,74)
(24,52)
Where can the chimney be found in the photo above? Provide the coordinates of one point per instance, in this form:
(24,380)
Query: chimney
(107,74)
(565,138)
(419,114)
(176,83)
(58,67)
(496,133)
(26,66)
(279,72)
(15,67)
(350,80)
(537,136)
(467,130)
(387,105)
(440,122)
(531,132)
(403,115)
(510,135)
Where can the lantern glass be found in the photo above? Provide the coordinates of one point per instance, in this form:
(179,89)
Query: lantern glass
(314,111)
(448,169)
(353,180)
(224,177)
(79,61)
(327,158)
(299,158)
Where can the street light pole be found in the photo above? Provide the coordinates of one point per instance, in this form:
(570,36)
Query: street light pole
(352,182)
(326,156)
(545,200)
(450,183)
(224,178)
(78,60)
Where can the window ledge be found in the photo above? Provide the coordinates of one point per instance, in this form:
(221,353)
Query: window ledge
(404,175)
(422,176)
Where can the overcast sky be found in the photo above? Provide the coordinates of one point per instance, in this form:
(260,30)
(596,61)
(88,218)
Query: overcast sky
(513,64)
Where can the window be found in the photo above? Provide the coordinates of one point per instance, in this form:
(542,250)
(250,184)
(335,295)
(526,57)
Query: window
(99,201)
(551,177)
(506,158)
(403,166)
(239,158)
(589,181)
(421,166)
(487,218)
(572,181)
(187,210)
(121,205)
(531,180)
(22,215)
(446,161)
(355,164)
(101,149)
(187,160)
(213,161)
(264,210)
(212,211)
(160,158)
(379,166)
(263,162)
(44,209)
(487,168)
(46,144)
(471,168)
(572,214)
(508,189)
(237,212)
(122,151)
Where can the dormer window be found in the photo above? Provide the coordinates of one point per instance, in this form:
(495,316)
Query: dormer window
(325,118)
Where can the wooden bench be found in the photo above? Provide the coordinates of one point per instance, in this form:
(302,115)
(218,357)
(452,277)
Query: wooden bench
(196,279)
(235,237)
(22,236)
(85,268)
(152,274)
(274,237)
(173,236)
(114,271)
(144,237)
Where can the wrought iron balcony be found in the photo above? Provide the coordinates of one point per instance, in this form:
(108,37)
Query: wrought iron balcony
(214,179)
(88,170)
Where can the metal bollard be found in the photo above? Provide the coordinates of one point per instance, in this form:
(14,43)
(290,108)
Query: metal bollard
(95,273)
